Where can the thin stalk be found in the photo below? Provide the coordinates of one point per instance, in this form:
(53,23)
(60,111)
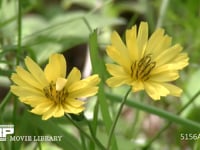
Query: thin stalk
(93,126)
(93,133)
(163,9)
(5,100)
(147,146)
(83,142)
(19,41)
(116,118)
(19,29)
(157,111)
(85,133)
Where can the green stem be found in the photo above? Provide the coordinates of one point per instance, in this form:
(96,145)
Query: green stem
(94,134)
(83,142)
(116,118)
(87,24)
(159,112)
(163,9)
(147,146)
(94,139)
(98,67)
(93,126)
(19,28)
(4,101)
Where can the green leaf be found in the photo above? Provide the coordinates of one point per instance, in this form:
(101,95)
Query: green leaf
(32,124)
(98,66)
(61,33)
(194,126)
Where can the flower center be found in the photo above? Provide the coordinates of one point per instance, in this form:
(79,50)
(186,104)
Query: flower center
(57,96)
(141,69)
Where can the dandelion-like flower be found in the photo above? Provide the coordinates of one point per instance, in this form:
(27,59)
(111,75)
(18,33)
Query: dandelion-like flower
(144,63)
(49,92)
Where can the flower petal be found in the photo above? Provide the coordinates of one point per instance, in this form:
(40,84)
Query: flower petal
(118,44)
(23,78)
(49,112)
(84,88)
(74,102)
(73,76)
(142,38)
(72,110)
(119,48)
(81,92)
(25,91)
(153,44)
(118,57)
(117,81)
(60,83)
(165,76)
(36,71)
(92,80)
(55,68)
(155,90)
(174,90)
(33,100)
(131,42)
(43,107)
(137,86)
(59,112)
(180,61)
(116,70)
(171,54)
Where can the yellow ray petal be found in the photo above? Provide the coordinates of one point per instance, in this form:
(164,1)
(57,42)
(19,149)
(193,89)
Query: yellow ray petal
(82,92)
(43,107)
(59,112)
(74,102)
(115,54)
(25,91)
(60,83)
(168,55)
(73,110)
(174,90)
(73,76)
(155,90)
(132,43)
(166,76)
(92,80)
(153,44)
(49,112)
(25,76)
(36,71)
(117,81)
(142,38)
(163,44)
(180,61)
(137,86)
(85,83)
(116,70)
(34,100)
(18,80)
(164,68)
(55,68)
(119,44)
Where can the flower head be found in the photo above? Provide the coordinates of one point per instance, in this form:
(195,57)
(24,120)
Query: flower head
(144,63)
(49,92)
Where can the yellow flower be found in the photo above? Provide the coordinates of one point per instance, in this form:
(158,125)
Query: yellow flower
(144,63)
(49,92)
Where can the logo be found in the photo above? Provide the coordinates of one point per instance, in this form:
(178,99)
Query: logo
(5,130)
